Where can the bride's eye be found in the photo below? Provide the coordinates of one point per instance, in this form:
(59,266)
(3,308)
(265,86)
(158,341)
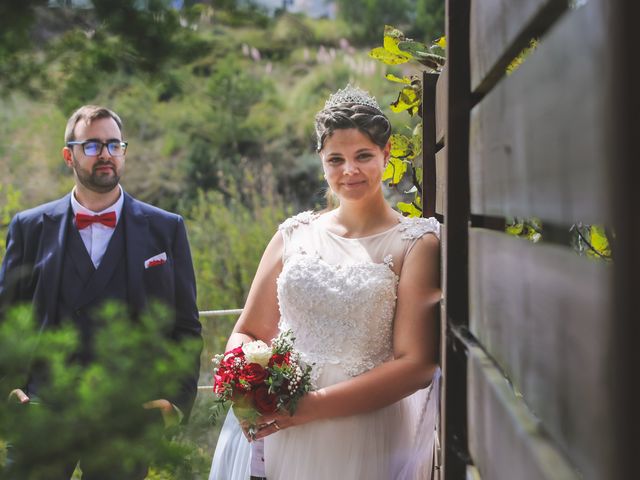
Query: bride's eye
(334,160)
(364,157)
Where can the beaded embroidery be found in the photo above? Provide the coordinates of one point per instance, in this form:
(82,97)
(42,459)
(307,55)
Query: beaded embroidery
(415,227)
(341,313)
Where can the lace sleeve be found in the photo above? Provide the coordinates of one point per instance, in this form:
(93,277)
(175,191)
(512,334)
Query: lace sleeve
(289,226)
(414,228)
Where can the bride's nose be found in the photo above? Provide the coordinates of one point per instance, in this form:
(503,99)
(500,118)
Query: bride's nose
(350,168)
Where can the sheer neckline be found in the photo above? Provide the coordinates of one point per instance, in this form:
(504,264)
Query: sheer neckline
(365,237)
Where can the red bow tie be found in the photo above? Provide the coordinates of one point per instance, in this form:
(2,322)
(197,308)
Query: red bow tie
(107,219)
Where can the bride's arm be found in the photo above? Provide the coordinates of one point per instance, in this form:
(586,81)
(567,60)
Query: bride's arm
(260,315)
(415,346)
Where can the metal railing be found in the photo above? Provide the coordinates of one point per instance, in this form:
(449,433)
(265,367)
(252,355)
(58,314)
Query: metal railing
(220,313)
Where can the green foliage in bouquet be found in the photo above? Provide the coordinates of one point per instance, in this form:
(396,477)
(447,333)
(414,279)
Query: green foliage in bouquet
(258,379)
(94,411)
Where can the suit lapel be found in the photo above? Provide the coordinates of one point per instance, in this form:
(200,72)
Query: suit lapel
(54,237)
(136,236)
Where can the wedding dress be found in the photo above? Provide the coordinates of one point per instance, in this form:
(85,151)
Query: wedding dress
(338,297)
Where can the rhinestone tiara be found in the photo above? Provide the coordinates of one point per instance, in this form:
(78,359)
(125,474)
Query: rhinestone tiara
(351,94)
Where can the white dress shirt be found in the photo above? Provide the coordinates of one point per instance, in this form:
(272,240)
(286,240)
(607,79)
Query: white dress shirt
(96,236)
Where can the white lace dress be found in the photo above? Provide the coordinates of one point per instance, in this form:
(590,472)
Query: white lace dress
(338,296)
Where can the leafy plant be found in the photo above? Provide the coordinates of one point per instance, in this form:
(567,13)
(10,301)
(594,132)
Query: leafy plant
(93,411)
(589,240)
(405,150)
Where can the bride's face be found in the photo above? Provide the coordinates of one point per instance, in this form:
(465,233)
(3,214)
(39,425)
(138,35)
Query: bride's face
(353,164)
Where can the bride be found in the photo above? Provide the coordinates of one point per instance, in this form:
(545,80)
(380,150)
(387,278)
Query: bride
(359,287)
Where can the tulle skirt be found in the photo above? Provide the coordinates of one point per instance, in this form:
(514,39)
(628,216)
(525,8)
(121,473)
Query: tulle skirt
(392,443)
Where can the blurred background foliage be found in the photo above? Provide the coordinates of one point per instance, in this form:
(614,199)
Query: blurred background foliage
(218,100)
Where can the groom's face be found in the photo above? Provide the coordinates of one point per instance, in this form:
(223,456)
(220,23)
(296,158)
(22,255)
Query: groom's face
(99,173)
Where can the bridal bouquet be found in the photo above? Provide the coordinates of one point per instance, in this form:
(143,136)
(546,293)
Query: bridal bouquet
(257,379)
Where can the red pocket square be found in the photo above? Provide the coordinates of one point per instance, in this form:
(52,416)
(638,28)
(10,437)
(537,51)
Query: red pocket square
(155,260)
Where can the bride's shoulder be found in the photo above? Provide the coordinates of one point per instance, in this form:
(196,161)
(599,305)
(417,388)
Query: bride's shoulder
(302,218)
(412,228)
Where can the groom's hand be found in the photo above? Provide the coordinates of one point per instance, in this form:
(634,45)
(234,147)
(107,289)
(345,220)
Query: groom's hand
(169,413)
(20,396)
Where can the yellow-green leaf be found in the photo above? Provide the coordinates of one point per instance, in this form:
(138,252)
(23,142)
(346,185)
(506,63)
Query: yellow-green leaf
(392,37)
(522,56)
(393,78)
(395,170)
(409,208)
(401,146)
(515,229)
(384,55)
(388,172)
(391,44)
(408,100)
(599,241)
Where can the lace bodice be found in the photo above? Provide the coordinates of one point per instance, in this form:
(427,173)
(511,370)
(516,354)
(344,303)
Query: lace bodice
(338,294)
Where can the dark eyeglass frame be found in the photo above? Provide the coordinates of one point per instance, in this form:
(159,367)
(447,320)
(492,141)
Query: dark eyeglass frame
(111,144)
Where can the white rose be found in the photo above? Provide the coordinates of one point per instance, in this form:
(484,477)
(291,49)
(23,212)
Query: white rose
(257,352)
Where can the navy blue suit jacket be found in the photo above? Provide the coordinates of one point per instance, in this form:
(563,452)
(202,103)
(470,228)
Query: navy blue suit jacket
(31,268)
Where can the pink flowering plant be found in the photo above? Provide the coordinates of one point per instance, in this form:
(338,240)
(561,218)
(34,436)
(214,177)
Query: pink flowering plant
(257,379)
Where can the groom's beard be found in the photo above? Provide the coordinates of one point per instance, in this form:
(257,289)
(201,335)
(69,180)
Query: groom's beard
(94,181)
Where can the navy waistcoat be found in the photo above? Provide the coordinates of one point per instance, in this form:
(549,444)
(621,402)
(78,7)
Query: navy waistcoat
(84,289)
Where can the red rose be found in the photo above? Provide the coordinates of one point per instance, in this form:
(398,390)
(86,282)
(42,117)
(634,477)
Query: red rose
(238,352)
(230,356)
(221,378)
(265,402)
(253,373)
(278,359)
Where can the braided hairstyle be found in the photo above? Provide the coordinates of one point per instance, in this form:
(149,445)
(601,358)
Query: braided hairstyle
(368,120)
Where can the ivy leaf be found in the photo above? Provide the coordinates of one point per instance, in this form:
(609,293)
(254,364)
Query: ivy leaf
(522,56)
(515,229)
(396,168)
(408,100)
(599,241)
(393,45)
(385,56)
(402,147)
(420,52)
(412,47)
(532,234)
(393,78)
(390,53)
(441,42)
(409,208)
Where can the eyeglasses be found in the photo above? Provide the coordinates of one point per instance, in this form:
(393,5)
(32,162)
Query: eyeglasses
(91,148)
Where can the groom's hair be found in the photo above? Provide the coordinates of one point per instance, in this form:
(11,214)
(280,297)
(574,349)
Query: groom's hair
(370,121)
(87,114)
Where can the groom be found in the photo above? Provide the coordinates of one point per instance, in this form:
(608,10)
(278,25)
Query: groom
(99,244)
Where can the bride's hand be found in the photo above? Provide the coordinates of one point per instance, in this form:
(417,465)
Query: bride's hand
(306,412)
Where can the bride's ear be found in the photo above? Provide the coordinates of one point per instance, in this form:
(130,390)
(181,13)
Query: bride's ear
(387,152)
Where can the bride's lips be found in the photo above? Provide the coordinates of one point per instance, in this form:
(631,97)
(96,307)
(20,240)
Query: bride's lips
(354,184)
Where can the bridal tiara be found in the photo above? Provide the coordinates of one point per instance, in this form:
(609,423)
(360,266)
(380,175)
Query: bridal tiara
(351,94)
